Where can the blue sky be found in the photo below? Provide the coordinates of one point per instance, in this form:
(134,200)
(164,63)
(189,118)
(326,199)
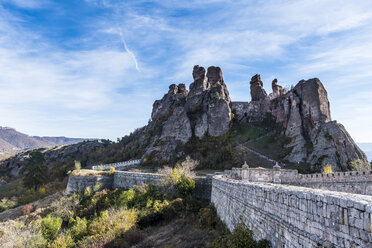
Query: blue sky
(92,68)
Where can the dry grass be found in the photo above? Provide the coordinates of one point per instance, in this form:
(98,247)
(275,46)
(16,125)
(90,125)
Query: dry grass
(86,172)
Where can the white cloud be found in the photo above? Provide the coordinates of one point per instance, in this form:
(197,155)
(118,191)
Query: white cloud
(290,40)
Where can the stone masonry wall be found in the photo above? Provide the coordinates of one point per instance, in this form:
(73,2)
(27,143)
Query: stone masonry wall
(118,165)
(292,216)
(81,182)
(126,180)
(357,182)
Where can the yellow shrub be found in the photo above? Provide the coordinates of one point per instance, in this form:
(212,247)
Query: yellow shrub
(327,169)
(42,191)
(112,170)
(63,240)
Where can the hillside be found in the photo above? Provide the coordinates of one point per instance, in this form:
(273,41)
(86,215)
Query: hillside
(12,141)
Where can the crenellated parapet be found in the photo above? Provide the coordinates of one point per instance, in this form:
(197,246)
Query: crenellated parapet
(357,182)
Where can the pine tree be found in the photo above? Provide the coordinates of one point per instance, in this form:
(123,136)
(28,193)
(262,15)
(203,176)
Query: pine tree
(35,172)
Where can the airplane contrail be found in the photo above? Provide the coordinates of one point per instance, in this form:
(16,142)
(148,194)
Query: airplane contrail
(129,51)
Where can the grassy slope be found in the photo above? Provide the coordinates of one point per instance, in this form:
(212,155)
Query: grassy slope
(235,147)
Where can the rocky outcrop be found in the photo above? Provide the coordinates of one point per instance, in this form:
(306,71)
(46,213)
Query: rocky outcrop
(217,103)
(257,91)
(277,89)
(204,110)
(304,112)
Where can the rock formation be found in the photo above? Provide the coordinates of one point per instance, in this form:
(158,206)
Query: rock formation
(257,91)
(182,114)
(277,89)
(206,109)
(305,115)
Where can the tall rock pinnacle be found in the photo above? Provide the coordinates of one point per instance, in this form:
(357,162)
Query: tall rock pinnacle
(257,91)
(205,109)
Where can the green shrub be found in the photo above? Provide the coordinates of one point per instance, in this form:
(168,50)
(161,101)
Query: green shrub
(63,240)
(78,227)
(97,187)
(98,225)
(50,227)
(126,197)
(65,207)
(6,204)
(208,217)
(179,180)
(241,237)
(185,186)
(110,224)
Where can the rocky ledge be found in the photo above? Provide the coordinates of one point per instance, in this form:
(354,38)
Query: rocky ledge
(206,109)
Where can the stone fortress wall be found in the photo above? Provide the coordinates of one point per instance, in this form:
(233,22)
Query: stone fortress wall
(77,182)
(274,204)
(292,216)
(118,166)
(357,182)
(126,180)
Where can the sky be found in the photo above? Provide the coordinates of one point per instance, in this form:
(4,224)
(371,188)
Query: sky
(93,68)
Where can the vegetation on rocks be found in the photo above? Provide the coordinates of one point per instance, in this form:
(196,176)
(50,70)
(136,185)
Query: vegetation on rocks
(227,151)
(359,165)
(327,169)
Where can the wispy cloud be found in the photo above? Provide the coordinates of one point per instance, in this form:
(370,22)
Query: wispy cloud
(98,84)
(129,51)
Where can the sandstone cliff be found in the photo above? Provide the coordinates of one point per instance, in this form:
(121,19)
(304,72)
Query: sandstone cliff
(206,110)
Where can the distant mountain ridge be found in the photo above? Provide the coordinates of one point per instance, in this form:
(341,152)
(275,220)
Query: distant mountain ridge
(12,141)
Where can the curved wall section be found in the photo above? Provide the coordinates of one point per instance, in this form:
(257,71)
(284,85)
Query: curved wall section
(292,216)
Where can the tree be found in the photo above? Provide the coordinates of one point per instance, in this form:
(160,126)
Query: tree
(35,172)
